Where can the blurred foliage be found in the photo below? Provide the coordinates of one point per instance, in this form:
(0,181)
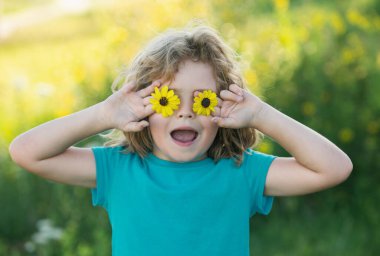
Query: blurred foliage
(9,7)
(316,61)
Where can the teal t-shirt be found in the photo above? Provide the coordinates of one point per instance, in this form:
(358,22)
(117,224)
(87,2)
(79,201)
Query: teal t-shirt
(157,207)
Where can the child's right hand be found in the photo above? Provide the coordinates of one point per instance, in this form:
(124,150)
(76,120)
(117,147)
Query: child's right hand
(125,109)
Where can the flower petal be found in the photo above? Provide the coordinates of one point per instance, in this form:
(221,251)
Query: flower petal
(169,111)
(153,101)
(164,91)
(164,112)
(157,92)
(170,94)
(158,108)
(212,96)
(214,101)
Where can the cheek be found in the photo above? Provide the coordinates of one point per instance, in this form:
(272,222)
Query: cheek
(206,121)
(154,120)
(212,128)
(157,124)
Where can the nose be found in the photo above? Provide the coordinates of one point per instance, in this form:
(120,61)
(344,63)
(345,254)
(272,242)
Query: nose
(185,109)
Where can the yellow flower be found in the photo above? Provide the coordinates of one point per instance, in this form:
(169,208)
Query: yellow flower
(205,102)
(164,101)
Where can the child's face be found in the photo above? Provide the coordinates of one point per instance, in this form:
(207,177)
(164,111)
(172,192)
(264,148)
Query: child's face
(192,76)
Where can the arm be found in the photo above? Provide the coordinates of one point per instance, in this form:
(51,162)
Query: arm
(316,164)
(47,150)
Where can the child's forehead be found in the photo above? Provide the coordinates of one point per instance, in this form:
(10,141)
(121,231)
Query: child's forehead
(193,76)
(192,88)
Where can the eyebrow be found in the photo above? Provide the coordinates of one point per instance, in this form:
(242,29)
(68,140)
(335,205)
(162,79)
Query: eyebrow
(180,89)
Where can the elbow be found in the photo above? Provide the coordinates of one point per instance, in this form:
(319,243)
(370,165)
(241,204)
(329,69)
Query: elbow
(345,170)
(348,167)
(15,152)
(18,155)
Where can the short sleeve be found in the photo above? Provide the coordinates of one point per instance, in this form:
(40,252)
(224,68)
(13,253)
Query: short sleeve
(105,160)
(256,165)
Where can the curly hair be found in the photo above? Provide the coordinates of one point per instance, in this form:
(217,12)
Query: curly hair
(160,59)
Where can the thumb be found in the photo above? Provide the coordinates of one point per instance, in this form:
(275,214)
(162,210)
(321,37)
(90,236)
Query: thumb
(223,122)
(136,126)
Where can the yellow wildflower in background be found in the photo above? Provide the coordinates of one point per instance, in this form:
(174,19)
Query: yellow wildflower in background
(205,102)
(346,135)
(281,5)
(357,19)
(337,23)
(164,101)
(308,108)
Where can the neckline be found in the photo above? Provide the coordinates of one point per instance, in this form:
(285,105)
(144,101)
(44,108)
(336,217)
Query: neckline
(180,165)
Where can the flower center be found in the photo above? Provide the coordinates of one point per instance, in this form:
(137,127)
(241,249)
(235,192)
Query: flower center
(164,101)
(205,102)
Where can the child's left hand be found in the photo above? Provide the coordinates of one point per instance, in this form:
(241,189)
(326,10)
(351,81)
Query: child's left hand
(237,108)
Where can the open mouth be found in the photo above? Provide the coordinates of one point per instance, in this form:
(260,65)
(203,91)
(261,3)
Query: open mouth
(186,136)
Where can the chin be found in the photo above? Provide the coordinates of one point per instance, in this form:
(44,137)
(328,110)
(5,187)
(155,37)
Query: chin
(181,157)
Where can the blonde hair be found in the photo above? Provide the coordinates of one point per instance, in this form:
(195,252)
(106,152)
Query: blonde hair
(160,59)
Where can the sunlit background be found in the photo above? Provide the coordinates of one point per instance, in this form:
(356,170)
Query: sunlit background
(316,61)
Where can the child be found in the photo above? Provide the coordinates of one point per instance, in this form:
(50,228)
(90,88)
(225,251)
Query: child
(178,176)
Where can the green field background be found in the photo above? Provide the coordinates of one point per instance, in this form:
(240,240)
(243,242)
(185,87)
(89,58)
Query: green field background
(316,61)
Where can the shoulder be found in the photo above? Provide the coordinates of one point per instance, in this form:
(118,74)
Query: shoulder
(250,159)
(114,149)
(251,155)
(256,162)
(111,154)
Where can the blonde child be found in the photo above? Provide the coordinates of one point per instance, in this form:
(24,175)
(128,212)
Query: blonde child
(179,175)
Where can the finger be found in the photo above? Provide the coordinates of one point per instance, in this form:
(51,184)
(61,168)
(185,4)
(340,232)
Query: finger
(127,87)
(228,95)
(219,102)
(136,126)
(236,89)
(146,100)
(148,110)
(148,90)
(216,112)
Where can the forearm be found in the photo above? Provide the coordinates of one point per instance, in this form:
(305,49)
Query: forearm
(54,137)
(307,146)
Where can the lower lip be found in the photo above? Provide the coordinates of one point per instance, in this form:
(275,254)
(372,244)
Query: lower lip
(184,144)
